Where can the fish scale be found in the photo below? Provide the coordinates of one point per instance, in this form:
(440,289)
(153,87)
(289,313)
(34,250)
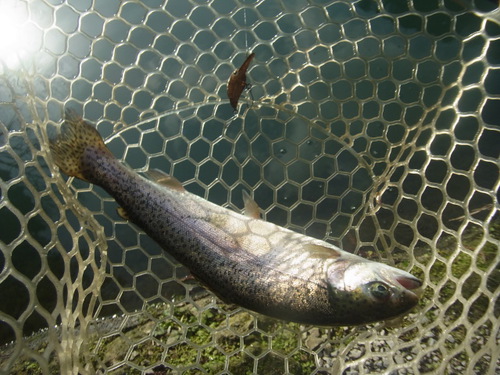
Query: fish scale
(245,260)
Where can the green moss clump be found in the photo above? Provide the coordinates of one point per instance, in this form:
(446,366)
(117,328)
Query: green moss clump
(182,355)
(147,353)
(199,335)
(486,256)
(285,341)
(437,272)
(461,264)
(302,363)
(447,291)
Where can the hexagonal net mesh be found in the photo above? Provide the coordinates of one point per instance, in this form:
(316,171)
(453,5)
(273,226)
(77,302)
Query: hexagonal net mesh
(371,124)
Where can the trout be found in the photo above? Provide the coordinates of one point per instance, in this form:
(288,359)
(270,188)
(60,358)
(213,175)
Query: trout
(241,258)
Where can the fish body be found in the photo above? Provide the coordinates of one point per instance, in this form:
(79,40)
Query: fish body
(238,82)
(243,259)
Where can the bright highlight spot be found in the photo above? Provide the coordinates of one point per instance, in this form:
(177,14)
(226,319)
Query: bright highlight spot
(14,36)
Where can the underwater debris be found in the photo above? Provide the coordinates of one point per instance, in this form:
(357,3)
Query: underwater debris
(238,82)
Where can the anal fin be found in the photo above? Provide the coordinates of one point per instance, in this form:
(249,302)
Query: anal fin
(122,213)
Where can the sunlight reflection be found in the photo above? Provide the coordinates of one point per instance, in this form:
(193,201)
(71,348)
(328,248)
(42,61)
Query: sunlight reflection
(18,35)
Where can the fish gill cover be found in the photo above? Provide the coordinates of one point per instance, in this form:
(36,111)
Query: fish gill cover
(374,125)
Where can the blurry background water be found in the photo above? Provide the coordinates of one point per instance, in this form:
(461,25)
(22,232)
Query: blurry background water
(374,125)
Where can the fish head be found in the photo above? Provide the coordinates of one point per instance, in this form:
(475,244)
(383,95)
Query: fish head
(362,291)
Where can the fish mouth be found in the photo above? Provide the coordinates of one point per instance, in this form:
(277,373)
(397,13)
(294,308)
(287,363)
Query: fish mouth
(408,282)
(411,284)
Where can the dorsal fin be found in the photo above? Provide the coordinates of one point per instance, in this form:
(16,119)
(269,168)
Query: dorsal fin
(321,252)
(251,208)
(164,179)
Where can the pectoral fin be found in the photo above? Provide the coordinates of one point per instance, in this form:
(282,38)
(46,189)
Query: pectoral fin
(164,179)
(122,213)
(251,208)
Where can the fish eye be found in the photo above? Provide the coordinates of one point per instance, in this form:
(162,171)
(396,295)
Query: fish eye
(379,290)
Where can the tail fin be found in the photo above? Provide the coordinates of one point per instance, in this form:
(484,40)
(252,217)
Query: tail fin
(75,136)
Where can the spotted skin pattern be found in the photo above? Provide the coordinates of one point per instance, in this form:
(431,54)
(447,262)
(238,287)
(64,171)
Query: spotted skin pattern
(244,260)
